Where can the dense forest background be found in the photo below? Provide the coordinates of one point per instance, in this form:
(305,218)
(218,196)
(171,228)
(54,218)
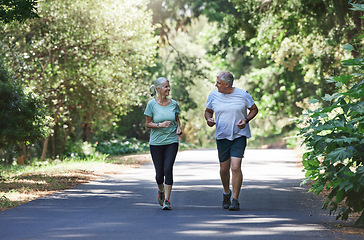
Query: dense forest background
(79,71)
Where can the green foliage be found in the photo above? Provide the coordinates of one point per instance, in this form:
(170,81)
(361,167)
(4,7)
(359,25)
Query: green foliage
(334,138)
(6,203)
(87,59)
(23,117)
(9,171)
(283,51)
(122,146)
(178,15)
(189,66)
(183,58)
(17,10)
(83,150)
(131,125)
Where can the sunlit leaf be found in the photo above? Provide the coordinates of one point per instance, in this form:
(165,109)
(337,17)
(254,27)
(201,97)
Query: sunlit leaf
(313,101)
(329,98)
(357,7)
(348,47)
(353,62)
(343,78)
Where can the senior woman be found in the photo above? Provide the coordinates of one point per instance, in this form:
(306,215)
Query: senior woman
(230,106)
(162,117)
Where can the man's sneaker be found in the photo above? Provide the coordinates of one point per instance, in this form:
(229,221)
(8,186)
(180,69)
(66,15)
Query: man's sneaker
(161,197)
(226,200)
(235,206)
(166,205)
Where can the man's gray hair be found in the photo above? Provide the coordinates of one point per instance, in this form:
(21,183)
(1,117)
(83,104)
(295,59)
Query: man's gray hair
(226,77)
(158,84)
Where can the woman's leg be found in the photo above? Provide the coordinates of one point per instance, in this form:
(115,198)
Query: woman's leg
(167,191)
(169,159)
(157,153)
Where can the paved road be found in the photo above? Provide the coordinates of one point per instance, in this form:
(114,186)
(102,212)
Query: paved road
(124,206)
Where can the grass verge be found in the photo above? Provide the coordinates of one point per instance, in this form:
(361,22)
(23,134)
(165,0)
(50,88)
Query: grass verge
(21,184)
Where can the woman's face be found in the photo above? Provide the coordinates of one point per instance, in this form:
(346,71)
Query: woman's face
(164,89)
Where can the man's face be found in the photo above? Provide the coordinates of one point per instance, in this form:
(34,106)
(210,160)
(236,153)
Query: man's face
(221,86)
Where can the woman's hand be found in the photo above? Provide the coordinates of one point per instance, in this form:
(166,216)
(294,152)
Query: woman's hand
(179,131)
(165,124)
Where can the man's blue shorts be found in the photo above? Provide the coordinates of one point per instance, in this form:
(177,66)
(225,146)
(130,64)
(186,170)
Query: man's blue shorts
(234,148)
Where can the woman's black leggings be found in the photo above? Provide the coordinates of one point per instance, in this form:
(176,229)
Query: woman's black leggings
(163,158)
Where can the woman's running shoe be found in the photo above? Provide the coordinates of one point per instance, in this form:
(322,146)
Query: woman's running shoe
(166,205)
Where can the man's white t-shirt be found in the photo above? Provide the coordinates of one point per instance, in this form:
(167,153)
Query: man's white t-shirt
(229,109)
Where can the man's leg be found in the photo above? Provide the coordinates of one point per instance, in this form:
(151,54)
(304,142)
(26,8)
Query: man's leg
(237,176)
(225,175)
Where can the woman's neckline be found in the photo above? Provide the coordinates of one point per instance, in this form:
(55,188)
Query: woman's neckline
(169,102)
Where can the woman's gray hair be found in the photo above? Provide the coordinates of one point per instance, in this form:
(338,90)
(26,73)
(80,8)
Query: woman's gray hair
(158,84)
(226,77)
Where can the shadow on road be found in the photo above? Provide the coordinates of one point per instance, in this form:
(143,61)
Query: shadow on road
(274,205)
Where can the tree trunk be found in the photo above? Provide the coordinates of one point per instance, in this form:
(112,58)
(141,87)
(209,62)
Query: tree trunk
(64,141)
(21,159)
(86,130)
(45,149)
(9,156)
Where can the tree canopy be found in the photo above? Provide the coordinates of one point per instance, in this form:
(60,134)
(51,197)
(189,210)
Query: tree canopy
(87,60)
(23,117)
(282,51)
(93,65)
(17,10)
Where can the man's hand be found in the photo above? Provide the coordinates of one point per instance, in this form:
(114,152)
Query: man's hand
(209,113)
(210,122)
(241,124)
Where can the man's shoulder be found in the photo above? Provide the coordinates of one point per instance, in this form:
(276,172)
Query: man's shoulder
(240,91)
(214,93)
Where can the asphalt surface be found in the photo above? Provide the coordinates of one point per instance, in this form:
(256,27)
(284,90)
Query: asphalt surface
(273,205)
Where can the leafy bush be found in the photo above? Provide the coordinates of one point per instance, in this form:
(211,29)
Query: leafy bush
(334,137)
(122,146)
(185,146)
(84,150)
(23,117)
